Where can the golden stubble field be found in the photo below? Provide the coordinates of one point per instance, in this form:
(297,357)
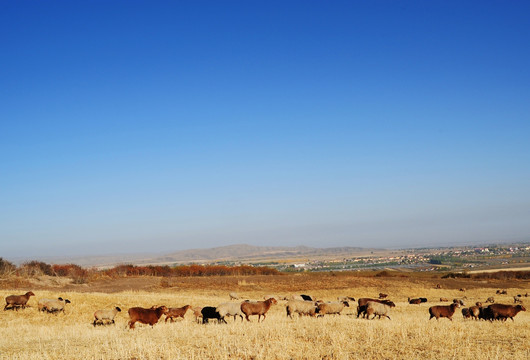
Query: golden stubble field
(28,334)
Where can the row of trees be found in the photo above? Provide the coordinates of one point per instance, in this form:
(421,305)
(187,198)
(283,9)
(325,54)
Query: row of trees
(79,274)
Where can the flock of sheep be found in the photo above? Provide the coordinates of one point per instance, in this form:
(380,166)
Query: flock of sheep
(296,304)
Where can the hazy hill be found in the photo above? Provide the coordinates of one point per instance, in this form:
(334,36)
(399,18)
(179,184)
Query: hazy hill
(240,252)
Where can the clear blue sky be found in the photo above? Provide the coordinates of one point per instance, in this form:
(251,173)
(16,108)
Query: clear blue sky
(133,126)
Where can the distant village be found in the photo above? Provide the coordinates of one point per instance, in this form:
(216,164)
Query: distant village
(437,259)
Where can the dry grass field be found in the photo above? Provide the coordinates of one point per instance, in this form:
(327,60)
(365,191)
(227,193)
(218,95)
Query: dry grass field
(28,334)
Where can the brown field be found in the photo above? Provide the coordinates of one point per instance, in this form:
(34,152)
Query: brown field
(28,334)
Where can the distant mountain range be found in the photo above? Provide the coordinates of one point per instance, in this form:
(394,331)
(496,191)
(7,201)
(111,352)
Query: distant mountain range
(240,252)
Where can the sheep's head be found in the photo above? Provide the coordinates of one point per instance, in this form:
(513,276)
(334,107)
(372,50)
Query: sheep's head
(346,303)
(521,308)
(117,308)
(30,293)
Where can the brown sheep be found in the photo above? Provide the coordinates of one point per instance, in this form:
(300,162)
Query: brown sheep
(502,312)
(258,308)
(462,289)
(197,312)
(145,316)
(177,312)
(502,292)
(443,311)
(475,311)
(491,299)
(438,286)
(17,301)
(414,301)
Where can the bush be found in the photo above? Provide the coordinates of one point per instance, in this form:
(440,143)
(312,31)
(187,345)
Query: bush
(6,267)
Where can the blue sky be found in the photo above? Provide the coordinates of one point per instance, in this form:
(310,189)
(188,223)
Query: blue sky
(154,126)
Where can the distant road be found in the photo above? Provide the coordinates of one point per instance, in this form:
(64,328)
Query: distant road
(500,269)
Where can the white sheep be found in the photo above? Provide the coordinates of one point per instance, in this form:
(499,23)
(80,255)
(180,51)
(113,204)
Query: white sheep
(105,315)
(301,307)
(331,307)
(378,309)
(230,309)
(52,305)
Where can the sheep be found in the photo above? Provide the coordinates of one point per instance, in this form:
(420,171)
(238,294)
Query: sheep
(259,308)
(17,301)
(230,309)
(438,286)
(491,299)
(345,298)
(415,301)
(301,307)
(361,307)
(378,309)
(382,296)
(466,313)
(209,312)
(331,308)
(516,300)
(474,311)
(197,312)
(502,292)
(177,312)
(53,305)
(100,316)
(443,311)
(502,312)
(233,296)
(444,299)
(145,316)
(462,289)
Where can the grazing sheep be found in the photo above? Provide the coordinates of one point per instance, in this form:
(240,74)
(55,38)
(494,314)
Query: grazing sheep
(502,292)
(145,316)
(197,312)
(438,286)
(233,296)
(301,307)
(415,301)
(209,312)
(502,312)
(462,289)
(443,311)
(362,302)
(491,299)
(474,311)
(230,309)
(259,308)
(382,296)
(466,313)
(378,309)
(173,313)
(102,316)
(444,299)
(16,301)
(53,305)
(345,298)
(331,308)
